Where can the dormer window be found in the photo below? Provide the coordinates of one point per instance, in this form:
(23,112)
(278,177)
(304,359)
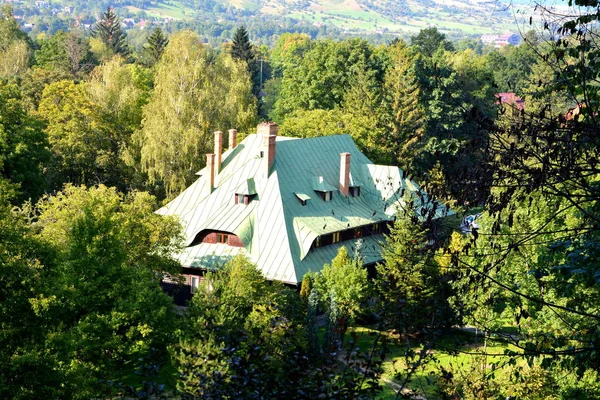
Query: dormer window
(323,189)
(245,192)
(242,199)
(222,238)
(327,195)
(354,191)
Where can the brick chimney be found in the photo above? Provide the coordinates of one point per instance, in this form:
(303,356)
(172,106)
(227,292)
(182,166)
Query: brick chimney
(218,150)
(268,152)
(345,173)
(232,139)
(210,169)
(265,129)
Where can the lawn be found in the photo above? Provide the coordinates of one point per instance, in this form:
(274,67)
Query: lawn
(458,351)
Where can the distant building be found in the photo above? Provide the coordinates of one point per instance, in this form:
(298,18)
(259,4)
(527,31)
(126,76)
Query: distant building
(289,204)
(84,23)
(488,39)
(68,9)
(501,40)
(511,100)
(128,22)
(42,4)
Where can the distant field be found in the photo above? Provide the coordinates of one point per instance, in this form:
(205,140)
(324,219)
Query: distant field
(468,16)
(161,10)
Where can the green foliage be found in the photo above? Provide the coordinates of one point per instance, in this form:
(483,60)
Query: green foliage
(79,140)
(306,287)
(241,48)
(108,30)
(511,67)
(90,307)
(323,75)
(457,97)
(243,338)
(534,261)
(411,288)
(23,373)
(155,46)
(247,327)
(15,48)
(23,145)
(405,115)
(429,41)
(289,51)
(195,94)
(344,280)
(120,91)
(65,52)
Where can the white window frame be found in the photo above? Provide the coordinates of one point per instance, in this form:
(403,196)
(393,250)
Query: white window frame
(194,283)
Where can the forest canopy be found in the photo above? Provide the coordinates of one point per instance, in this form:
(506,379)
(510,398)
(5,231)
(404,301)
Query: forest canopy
(96,133)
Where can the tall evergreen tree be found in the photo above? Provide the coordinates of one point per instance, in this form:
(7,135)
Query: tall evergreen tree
(242,48)
(108,29)
(155,46)
(406,116)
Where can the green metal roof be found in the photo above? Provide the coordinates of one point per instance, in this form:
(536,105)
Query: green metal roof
(320,185)
(276,229)
(247,187)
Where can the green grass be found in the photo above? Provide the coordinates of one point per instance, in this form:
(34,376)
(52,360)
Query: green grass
(458,351)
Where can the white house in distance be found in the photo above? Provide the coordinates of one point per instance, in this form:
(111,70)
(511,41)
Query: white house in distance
(289,204)
(501,40)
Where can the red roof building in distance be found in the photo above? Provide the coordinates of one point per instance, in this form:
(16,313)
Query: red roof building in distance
(511,99)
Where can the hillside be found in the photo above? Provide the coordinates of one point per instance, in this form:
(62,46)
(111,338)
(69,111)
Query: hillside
(394,16)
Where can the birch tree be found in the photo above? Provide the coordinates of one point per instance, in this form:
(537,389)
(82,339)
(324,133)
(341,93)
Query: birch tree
(195,93)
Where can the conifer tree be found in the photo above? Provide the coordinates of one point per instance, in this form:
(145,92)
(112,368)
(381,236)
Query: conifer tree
(155,46)
(401,96)
(108,29)
(242,48)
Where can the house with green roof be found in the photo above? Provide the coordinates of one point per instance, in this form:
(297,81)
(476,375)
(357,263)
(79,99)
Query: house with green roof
(289,204)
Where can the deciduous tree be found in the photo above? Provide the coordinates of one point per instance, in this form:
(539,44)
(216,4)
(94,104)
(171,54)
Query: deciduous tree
(195,94)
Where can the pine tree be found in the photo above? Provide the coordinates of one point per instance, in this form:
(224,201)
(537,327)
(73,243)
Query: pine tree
(108,29)
(155,46)
(401,95)
(242,48)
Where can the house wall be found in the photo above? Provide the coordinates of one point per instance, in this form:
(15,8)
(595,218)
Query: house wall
(180,287)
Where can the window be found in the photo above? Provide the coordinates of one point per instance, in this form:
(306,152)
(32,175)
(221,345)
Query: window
(222,238)
(336,237)
(376,228)
(325,195)
(242,198)
(354,191)
(318,241)
(194,284)
(357,233)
